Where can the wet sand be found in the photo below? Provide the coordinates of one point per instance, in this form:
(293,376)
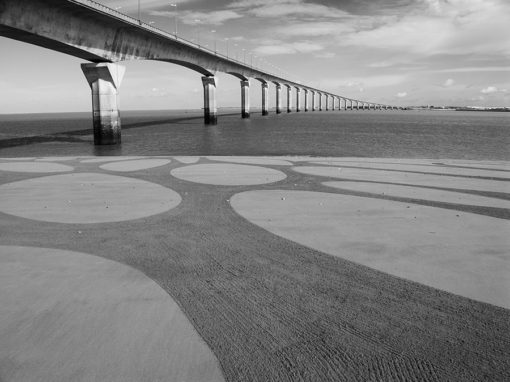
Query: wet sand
(262,295)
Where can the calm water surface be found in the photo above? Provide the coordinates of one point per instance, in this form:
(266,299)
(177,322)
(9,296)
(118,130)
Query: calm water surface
(409,134)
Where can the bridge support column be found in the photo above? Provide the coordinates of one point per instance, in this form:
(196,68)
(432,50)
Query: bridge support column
(278,99)
(298,99)
(313,100)
(210,110)
(104,80)
(327,102)
(320,102)
(306,99)
(265,99)
(289,99)
(245,99)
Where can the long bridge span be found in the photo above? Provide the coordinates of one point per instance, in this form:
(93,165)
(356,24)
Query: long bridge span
(104,37)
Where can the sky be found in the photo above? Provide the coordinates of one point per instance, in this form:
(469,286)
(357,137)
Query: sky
(398,52)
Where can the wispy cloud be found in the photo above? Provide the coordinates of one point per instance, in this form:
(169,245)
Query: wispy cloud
(205,18)
(288,48)
(449,82)
(266,8)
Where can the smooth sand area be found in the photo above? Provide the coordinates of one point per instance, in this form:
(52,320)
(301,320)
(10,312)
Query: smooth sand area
(443,170)
(187,160)
(36,167)
(134,165)
(264,161)
(228,174)
(409,178)
(464,253)
(420,193)
(68,316)
(85,198)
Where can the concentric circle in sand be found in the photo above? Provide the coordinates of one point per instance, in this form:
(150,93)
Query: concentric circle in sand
(228,174)
(250,160)
(420,193)
(134,165)
(425,180)
(85,198)
(462,253)
(36,167)
(69,316)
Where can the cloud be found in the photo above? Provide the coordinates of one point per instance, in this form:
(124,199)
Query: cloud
(440,26)
(288,48)
(204,18)
(325,55)
(313,29)
(489,90)
(266,8)
(449,82)
(402,94)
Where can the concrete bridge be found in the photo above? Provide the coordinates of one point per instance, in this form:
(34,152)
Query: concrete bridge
(104,37)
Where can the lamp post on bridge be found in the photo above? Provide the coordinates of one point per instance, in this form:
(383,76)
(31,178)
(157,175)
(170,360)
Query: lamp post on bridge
(175,19)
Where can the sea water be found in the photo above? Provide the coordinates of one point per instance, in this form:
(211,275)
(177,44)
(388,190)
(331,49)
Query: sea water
(397,134)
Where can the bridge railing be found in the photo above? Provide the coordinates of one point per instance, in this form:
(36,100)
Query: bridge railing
(115,13)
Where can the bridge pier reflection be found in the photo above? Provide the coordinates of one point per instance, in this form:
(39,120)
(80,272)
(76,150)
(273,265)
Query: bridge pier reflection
(245,99)
(210,109)
(278,98)
(104,80)
(265,99)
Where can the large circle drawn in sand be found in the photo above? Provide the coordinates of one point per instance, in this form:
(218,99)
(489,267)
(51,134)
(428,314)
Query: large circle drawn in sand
(70,316)
(36,167)
(462,253)
(85,198)
(426,180)
(421,193)
(134,165)
(228,174)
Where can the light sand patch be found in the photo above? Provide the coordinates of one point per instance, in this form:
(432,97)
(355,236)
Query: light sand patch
(406,178)
(228,174)
(462,253)
(420,193)
(36,167)
(110,159)
(415,161)
(134,165)
(420,168)
(69,316)
(55,159)
(250,160)
(85,198)
(187,160)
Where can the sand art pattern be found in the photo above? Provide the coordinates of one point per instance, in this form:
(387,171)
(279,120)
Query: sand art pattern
(247,269)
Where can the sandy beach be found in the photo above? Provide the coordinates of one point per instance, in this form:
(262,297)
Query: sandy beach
(290,268)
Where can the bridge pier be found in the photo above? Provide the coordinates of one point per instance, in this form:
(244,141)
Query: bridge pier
(289,98)
(210,109)
(313,100)
(265,99)
(327,102)
(320,101)
(245,99)
(306,99)
(298,99)
(278,98)
(104,80)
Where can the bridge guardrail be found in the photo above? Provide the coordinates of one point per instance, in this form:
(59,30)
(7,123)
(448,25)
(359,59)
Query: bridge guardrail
(113,12)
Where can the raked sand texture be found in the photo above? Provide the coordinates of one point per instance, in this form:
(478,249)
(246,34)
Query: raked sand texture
(252,270)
